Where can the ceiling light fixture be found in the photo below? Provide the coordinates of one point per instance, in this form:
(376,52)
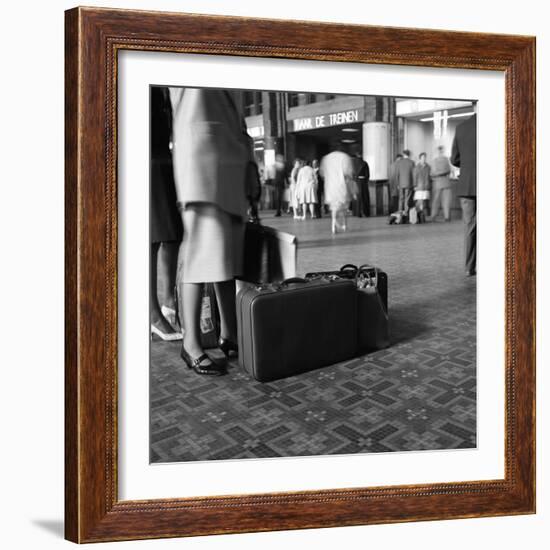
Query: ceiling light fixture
(457,115)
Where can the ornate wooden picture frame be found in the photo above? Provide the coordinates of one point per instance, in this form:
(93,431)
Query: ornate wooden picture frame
(94,37)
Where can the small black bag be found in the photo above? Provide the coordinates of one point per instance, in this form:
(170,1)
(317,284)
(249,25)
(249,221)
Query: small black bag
(209,315)
(372,310)
(269,254)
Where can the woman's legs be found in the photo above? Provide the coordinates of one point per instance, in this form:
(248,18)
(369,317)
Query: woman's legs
(191,306)
(343,215)
(157,318)
(225,296)
(167,266)
(312,209)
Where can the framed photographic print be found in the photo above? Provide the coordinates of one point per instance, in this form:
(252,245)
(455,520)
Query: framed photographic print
(300,275)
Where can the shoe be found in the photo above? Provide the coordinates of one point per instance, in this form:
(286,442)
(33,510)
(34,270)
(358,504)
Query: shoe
(211,368)
(229,348)
(166,336)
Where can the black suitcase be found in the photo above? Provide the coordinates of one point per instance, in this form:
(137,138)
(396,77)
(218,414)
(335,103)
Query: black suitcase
(351,271)
(295,327)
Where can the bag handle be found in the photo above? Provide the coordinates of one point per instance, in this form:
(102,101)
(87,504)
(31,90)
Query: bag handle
(293,280)
(348,266)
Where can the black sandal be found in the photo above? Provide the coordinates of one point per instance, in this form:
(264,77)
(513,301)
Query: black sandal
(211,369)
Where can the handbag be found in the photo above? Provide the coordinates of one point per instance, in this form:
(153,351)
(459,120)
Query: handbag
(373,319)
(269,255)
(209,321)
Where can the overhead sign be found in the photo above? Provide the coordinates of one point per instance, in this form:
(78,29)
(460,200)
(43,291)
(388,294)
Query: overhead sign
(327,120)
(256,131)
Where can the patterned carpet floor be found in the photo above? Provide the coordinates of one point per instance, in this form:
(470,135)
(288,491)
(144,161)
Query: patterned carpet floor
(419,394)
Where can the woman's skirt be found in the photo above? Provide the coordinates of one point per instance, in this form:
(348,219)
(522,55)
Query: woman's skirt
(306,193)
(421,195)
(213,244)
(293,198)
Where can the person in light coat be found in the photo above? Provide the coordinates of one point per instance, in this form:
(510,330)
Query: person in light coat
(216,180)
(306,190)
(340,188)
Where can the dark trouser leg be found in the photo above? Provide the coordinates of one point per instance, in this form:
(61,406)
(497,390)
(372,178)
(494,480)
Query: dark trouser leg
(278,199)
(405,195)
(468,205)
(365,198)
(225,296)
(436,201)
(402,199)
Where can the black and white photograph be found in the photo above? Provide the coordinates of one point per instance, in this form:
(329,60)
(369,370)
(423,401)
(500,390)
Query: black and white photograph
(312,274)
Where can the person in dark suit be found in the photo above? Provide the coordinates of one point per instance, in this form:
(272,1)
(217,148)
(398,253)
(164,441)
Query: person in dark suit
(362,176)
(393,186)
(464,156)
(404,171)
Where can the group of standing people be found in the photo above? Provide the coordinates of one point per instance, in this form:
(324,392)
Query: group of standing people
(336,184)
(414,184)
(419,184)
(305,190)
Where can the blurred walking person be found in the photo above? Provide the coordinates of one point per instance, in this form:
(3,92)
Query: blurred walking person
(340,188)
(279,184)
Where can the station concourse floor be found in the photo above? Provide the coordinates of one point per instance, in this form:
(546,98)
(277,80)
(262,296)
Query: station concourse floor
(419,394)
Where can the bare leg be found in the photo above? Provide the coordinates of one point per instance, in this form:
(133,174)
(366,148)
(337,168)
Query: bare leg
(312,210)
(167,265)
(157,318)
(225,296)
(344,219)
(334,213)
(192,300)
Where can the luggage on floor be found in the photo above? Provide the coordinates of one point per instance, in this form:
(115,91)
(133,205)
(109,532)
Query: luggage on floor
(297,326)
(372,309)
(351,271)
(398,218)
(269,254)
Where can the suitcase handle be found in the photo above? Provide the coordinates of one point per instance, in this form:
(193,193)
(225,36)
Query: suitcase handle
(293,280)
(348,266)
